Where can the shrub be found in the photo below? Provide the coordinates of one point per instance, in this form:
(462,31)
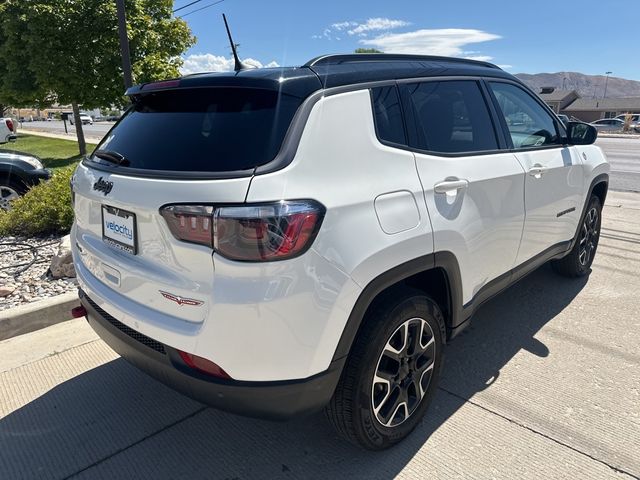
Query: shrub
(44,209)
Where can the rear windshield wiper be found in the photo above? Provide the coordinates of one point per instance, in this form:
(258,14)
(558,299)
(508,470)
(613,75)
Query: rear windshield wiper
(111,156)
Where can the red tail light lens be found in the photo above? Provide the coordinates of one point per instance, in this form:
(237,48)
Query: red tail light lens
(9,124)
(203,365)
(264,232)
(190,223)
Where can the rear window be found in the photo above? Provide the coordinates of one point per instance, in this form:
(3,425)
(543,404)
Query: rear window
(388,114)
(202,130)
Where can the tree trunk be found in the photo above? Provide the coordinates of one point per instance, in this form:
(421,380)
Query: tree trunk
(82,145)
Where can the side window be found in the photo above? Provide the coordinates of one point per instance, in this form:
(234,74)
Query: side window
(451,117)
(529,124)
(388,115)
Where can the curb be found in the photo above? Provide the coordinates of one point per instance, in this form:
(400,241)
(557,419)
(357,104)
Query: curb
(44,313)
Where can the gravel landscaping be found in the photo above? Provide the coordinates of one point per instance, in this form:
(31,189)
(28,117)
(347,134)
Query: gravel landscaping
(24,263)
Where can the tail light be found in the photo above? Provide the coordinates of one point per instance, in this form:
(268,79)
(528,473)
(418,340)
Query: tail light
(9,123)
(259,232)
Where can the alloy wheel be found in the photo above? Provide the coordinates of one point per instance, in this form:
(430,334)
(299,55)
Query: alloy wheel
(588,237)
(7,195)
(403,373)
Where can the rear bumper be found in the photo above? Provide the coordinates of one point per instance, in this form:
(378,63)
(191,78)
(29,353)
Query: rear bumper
(270,400)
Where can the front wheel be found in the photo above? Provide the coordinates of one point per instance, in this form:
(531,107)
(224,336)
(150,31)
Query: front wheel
(392,372)
(578,262)
(9,191)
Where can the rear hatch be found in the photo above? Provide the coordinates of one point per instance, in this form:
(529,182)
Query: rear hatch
(174,146)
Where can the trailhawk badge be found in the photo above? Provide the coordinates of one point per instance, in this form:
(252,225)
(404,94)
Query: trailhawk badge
(181,300)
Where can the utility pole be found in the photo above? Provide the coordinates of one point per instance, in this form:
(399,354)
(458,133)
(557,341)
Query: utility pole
(124,44)
(605,83)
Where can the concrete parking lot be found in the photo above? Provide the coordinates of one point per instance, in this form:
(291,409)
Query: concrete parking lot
(545,384)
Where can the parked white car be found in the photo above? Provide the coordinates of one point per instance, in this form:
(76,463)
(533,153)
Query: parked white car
(7,130)
(314,238)
(84,118)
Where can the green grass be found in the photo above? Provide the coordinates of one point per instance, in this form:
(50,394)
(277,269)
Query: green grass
(54,153)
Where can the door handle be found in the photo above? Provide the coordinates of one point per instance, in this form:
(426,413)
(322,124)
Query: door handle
(450,186)
(538,170)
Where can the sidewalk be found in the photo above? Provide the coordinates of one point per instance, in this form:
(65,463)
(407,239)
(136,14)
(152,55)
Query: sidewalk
(89,138)
(544,384)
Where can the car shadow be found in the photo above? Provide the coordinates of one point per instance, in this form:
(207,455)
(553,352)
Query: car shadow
(115,422)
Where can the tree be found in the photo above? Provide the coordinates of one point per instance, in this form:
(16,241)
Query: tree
(17,85)
(367,50)
(71,49)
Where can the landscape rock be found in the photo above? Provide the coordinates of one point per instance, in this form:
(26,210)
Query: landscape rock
(34,283)
(6,291)
(62,263)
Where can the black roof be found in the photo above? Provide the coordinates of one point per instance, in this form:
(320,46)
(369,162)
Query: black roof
(333,71)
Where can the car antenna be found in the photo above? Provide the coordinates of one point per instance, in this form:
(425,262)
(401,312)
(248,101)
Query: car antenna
(238,64)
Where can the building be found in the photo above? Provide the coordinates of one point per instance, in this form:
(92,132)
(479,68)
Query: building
(591,109)
(558,100)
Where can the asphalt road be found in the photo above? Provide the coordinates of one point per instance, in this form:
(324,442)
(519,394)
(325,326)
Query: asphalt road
(98,129)
(544,384)
(624,156)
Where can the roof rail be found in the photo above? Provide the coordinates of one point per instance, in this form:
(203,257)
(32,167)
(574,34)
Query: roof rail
(336,59)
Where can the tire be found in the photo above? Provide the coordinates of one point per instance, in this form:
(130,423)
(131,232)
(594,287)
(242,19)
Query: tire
(9,191)
(369,412)
(578,262)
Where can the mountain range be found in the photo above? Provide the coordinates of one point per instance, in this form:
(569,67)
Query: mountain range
(588,86)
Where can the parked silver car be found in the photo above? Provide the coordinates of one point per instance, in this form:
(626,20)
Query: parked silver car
(608,125)
(635,120)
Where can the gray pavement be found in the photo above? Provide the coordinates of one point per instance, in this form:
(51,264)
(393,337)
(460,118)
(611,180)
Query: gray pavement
(624,156)
(545,384)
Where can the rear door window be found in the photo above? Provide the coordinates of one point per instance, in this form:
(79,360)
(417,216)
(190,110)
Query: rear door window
(202,130)
(451,117)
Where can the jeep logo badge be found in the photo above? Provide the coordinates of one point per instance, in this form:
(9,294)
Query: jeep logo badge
(103,186)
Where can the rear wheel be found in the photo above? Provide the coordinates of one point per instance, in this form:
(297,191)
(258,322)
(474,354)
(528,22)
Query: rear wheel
(392,372)
(578,262)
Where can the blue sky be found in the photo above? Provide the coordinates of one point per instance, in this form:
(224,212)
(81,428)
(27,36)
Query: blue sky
(585,36)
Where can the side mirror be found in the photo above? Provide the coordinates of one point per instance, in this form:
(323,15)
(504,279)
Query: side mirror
(579,133)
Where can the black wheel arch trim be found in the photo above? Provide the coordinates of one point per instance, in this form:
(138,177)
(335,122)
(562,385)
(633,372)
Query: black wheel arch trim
(603,178)
(444,260)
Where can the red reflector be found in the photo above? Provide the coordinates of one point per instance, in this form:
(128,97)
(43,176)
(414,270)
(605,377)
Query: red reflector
(203,365)
(159,85)
(9,124)
(78,312)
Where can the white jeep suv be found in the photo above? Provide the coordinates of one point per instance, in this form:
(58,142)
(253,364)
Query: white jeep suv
(313,236)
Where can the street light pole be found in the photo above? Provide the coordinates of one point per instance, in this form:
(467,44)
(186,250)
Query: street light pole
(605,83)
(124,44)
